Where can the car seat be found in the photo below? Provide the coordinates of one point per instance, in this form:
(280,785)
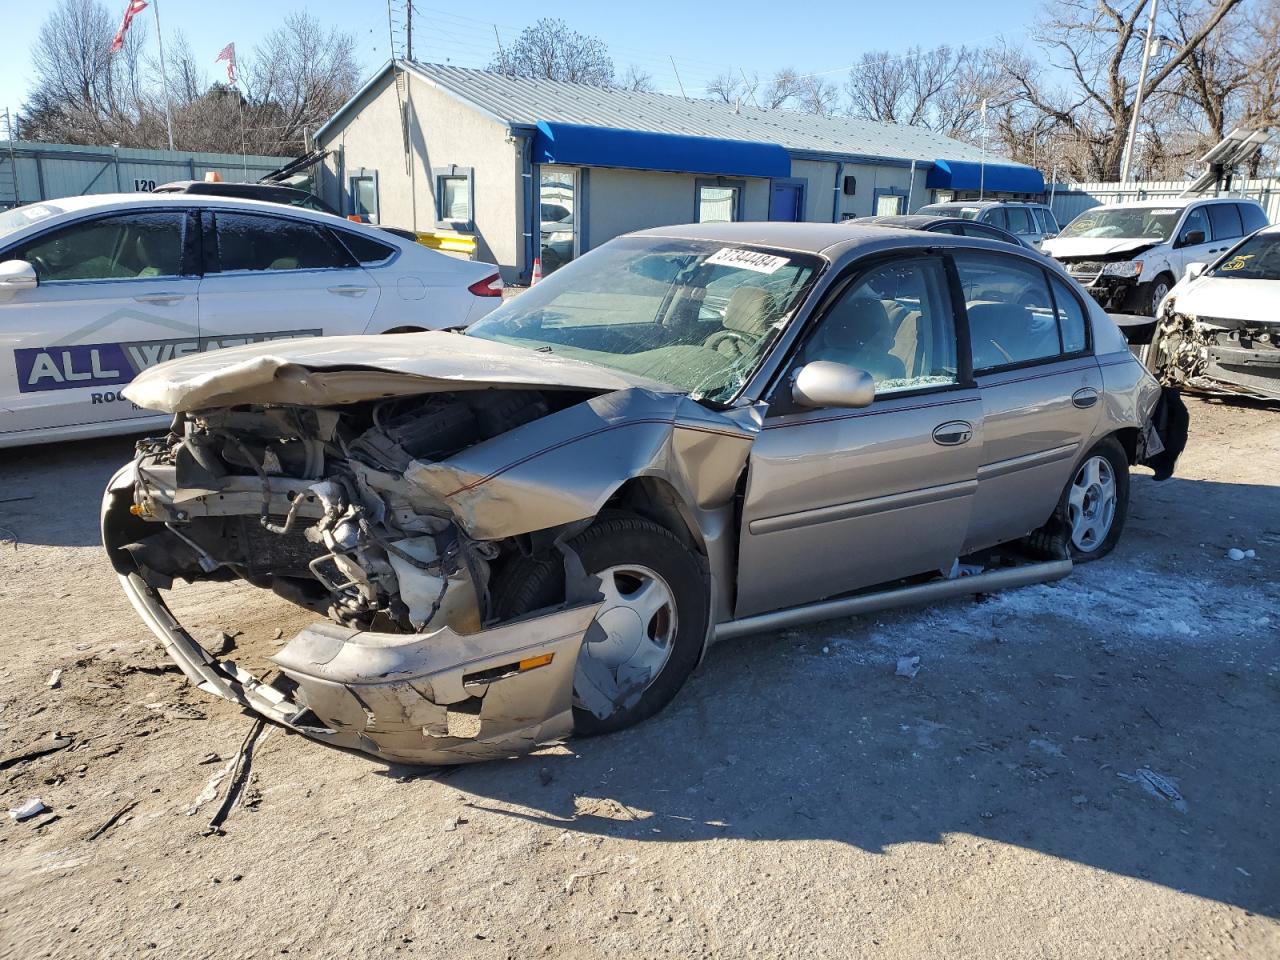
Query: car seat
(858,333)
(747,317)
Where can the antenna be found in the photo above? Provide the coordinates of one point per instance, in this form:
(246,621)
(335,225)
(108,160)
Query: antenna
(408,29)
(502,56)
(679,82)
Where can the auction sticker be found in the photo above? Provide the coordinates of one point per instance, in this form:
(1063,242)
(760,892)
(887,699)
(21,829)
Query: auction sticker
(748,260)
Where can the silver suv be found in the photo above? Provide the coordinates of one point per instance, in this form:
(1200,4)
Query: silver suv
(1033,222)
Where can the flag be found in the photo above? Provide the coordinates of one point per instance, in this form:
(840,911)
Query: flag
(228,54)
(134,8)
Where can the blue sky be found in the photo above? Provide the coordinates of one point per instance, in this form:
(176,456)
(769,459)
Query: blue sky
(705,39)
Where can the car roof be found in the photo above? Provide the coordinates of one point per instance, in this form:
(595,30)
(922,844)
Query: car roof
(216,185)
(834,241)
(983,203)
(128,200)
(1169,202)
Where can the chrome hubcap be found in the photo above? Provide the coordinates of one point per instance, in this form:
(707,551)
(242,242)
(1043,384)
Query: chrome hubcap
(629,642)
(1091,504)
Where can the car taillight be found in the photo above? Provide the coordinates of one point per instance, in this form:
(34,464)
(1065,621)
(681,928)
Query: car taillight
(488,287)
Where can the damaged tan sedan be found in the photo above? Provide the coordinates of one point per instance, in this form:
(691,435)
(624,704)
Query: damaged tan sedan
(536,527)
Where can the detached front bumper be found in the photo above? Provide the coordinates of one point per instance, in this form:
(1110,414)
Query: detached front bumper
(429,698)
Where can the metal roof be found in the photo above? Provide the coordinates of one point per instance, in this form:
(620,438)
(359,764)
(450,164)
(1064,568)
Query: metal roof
(520,101)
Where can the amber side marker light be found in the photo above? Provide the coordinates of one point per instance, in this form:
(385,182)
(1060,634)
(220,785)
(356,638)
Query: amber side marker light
(532,663)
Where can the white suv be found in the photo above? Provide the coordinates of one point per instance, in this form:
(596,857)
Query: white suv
(1128,255)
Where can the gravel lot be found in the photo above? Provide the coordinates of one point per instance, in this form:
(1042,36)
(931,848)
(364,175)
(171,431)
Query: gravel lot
(1086,769)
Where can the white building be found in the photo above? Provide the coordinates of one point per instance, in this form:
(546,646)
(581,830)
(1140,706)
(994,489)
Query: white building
(544,169)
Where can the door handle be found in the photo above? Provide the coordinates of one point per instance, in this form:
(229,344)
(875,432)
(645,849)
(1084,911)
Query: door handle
(1084,398)
(160,297)
(349,290)
(953,433)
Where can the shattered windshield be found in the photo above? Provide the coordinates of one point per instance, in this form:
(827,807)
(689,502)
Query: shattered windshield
(698,315)
(1132,223)
(1258,258)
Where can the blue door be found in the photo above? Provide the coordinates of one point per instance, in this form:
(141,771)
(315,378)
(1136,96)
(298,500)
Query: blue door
(786,201)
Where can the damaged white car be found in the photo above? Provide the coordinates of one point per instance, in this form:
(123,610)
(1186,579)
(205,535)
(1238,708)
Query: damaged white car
(1219,329)
(536,527)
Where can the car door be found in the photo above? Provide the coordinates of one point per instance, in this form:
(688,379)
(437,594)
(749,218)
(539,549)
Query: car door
(838,499)
(1023,225)
(269,276)
(1040,386)
(114,291)
(1192,242)
(1227,226)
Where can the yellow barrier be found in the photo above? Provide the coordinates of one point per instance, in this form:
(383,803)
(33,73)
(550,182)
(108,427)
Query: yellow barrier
(448,242)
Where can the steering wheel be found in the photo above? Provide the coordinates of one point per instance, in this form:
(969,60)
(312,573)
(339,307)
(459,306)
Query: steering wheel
(741,342)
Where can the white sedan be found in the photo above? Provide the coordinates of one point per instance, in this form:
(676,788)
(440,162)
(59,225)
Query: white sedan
(95,289)
(1218,330)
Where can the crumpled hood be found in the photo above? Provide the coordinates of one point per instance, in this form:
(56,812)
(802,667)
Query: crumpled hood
(1255,301)
(1070,247)
(321,371)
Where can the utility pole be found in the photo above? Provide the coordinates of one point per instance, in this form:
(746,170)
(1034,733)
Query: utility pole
(164,79)
(1126,161)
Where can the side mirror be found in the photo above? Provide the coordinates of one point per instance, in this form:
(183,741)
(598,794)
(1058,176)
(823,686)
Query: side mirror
(1194,270)
(16,275)
(1191,238)
(1048,236)
(823,383)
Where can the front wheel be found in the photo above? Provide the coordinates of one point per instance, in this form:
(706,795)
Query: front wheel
(1160,288)
(645,640)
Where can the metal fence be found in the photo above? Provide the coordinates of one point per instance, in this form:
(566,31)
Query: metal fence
(1069,200)
(46,171)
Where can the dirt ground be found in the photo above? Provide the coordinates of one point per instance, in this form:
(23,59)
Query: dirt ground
(1079,770)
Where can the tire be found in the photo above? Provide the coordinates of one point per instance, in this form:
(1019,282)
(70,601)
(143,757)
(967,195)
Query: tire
(642,554)
(1086,498)
(1156,292)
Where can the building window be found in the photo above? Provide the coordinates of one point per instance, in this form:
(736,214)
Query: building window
(889,202)
(557,225)
(362,188)
(455,198)
(719,200)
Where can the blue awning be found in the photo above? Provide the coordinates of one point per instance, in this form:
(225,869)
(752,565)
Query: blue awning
(589,146)
(995,178)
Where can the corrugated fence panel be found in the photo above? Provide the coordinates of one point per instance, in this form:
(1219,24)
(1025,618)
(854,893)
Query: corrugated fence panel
(46,171)
(1069,200)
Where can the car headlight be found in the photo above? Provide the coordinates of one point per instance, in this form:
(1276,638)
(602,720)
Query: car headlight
(1125,268)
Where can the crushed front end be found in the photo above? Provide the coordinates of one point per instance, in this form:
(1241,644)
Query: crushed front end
(409,663)
(1216,354)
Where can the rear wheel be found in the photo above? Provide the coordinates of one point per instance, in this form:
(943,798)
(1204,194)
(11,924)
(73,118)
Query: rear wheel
(1091,512)
(645,640)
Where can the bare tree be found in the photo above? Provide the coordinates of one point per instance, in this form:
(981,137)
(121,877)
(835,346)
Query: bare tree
(641,81)
(1098,46)
(551,51)
(295,80)
(726,88)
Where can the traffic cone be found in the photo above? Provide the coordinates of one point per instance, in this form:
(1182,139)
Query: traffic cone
(537,271)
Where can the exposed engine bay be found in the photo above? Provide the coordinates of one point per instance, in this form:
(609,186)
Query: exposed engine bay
(1217,354)
(312,503)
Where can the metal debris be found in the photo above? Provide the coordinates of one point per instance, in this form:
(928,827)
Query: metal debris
(37,749)
(907,667)
(239,766)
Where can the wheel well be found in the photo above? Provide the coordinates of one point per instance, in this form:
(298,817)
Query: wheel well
(1128,437)
(656,500)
